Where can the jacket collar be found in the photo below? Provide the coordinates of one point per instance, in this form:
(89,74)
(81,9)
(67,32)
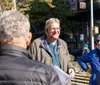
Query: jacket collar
(7,49)
(44,43)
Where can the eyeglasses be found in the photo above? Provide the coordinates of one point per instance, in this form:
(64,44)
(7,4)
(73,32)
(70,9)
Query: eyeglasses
(97,41)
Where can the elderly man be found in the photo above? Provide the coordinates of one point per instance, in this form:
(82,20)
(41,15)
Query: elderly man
(52,50)
(93,58)
(15,68)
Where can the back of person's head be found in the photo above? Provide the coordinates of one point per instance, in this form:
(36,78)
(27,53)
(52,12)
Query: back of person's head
(14,26)
(49,21)
(85,46)
(97,39)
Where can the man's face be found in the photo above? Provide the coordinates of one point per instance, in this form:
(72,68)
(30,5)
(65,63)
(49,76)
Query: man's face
(53,31)
(98,43)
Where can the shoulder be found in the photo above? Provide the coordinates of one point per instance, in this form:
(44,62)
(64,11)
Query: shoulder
(38,69)
(93,51)
(43,68)
(35,66)
(62,41)
(38,40)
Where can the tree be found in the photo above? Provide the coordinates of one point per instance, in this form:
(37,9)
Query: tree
(41,11)
(23,6)
(5,5)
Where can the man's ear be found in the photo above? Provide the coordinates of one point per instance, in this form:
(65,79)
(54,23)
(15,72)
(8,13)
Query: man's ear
(29,39)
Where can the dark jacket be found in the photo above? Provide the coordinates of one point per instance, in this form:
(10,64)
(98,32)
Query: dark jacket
(16,69)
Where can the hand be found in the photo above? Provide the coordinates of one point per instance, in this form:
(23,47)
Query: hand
(71,72)
(89,71)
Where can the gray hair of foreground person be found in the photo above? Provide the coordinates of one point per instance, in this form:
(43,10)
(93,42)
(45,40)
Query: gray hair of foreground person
(49,21)
(14,26)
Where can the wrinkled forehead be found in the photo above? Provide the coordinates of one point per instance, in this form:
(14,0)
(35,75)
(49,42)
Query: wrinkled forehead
(54,25)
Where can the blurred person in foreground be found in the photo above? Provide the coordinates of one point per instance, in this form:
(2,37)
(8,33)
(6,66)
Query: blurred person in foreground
(92,58)
(50,49)
(15,67)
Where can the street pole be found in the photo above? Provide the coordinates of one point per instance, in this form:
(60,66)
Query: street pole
(92,25)
(14,1)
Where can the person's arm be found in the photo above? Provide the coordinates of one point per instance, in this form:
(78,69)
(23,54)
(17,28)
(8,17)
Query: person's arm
(83,60)
(89,70)
(71,69)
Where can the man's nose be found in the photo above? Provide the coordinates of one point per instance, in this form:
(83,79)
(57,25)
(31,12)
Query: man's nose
(56,29)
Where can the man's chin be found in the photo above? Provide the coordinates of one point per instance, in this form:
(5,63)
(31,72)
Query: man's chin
(55,38)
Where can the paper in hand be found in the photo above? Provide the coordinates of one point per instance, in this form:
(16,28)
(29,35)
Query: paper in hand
(64,77)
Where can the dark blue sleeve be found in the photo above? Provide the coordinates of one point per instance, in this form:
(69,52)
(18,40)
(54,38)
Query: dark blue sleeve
(83,60)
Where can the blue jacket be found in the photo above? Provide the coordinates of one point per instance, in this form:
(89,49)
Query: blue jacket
(93,59)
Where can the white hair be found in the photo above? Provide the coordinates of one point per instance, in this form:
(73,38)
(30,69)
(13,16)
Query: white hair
(13,26)
(49,21)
